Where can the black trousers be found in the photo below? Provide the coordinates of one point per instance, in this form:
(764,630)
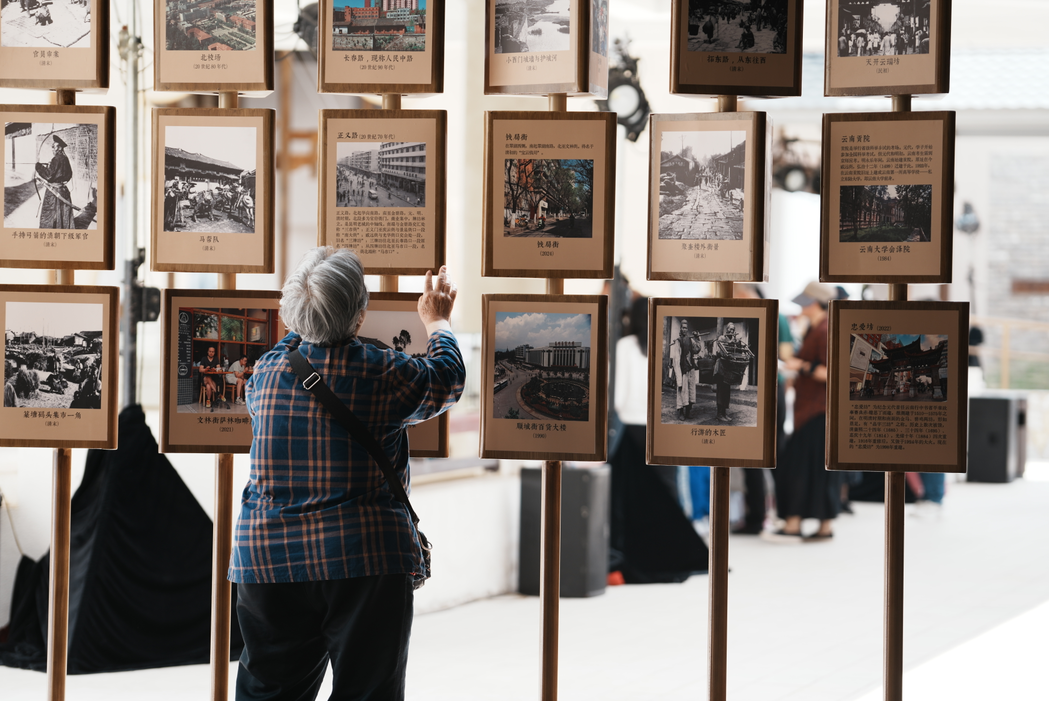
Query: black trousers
(291,630)
(724,397)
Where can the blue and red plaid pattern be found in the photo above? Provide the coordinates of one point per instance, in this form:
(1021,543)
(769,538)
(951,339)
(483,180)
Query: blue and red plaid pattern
(317,506)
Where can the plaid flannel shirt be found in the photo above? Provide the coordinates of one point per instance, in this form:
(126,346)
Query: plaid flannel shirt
(317,507)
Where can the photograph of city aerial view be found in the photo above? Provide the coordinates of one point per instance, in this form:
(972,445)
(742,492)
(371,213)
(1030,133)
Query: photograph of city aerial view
(891,367)
(542,366)
(379,25)
(210,25)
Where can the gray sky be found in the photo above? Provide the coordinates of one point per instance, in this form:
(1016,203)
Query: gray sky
(52,319)
(234,145)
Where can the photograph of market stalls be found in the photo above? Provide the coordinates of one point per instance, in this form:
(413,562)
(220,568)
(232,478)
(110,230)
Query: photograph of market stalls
(378,25)
(885,213)
(53,355)
(898,367)
(49,24)
(548,198)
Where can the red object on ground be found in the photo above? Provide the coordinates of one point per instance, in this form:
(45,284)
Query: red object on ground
(615,579)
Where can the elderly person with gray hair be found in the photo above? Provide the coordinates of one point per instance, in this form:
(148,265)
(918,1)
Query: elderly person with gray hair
(324,553)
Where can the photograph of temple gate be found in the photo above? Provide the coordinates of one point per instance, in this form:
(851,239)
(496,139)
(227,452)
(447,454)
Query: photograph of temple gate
(898,367)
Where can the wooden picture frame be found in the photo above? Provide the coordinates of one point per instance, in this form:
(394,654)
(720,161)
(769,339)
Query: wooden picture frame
(370,196)
(577,152)
(56,55)
(892,175)
(393,322)
(67,219)
(889,53)
(537,55)
(345,66)
(898,386)
(210,50)
(712,401)
(716,220)
(716,62)
(524,419)
(64,341)
(234,322)
(238,237)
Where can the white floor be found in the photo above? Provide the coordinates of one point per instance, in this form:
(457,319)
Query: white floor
(805,623)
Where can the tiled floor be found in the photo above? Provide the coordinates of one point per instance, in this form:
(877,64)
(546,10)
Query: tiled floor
(805,623)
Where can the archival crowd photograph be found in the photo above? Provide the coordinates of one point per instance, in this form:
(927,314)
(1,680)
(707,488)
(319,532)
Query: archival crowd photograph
(888,367)
(883,27)
(542,366)
(50,175)
(885,214)
(701,183)
(379,25)
(709,371)
(548,198)
(48,24)
(738,26)
(209,179)
(386,174)
(210,25)
(53,355)
(532,25)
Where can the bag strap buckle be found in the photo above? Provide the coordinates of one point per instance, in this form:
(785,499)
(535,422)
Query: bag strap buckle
(310,381)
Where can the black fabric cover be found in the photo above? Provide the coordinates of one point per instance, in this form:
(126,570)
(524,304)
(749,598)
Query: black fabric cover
(140,568)
(651,540)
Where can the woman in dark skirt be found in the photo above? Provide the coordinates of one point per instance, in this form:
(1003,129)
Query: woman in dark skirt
(804,488)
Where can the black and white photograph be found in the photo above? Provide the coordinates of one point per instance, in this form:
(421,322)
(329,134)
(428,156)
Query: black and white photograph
(532,26)
(204,25)
(47,24)
(209,179)
(542,366)
(379,25)
(701,185)
(886,214)
(710,371)
(599,27)
(386,174)
(548,198)
(50,175)
(53,355)
(392,330)
(890,367)
(882,28)
(738,26)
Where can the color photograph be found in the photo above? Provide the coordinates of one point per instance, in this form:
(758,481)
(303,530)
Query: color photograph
(530,26)
(207,25)
(47,24)
(738,26)
(548,198)
(702,175)
(888,367)
(379,25)
(886,214)
(386,174)
(882,28)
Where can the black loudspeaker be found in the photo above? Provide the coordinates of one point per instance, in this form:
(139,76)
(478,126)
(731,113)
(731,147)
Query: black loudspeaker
(997,438)
(585,499)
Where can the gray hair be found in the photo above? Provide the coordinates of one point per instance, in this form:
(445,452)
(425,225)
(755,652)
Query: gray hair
(324,299)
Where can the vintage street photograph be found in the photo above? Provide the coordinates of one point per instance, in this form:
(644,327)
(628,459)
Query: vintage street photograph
(532,25)
(701,181)
(395,330)
(710,371)
(209,179)
(379,25)
(542,366)
(738,26)
(207,25)
(48,24)
(548,198)
(885,214)
(386,174)
(886,367)
(50,175)
(53,355)
(883,28)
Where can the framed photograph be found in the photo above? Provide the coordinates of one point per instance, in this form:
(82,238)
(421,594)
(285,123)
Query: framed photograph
(544,377)
(712,382)
(60,366)
(898,386)
(368,46)
(212,339)
(205,46)
(382,187)
(549,205)
(887,192)
(889,47)
(213,190)
(393,323)
(725,47)
(54,44)
(538,47)
(58,191)
(708,196)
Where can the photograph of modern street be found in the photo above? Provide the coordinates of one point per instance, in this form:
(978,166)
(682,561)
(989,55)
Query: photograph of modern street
(548,198)
(379,25)
(387,174)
